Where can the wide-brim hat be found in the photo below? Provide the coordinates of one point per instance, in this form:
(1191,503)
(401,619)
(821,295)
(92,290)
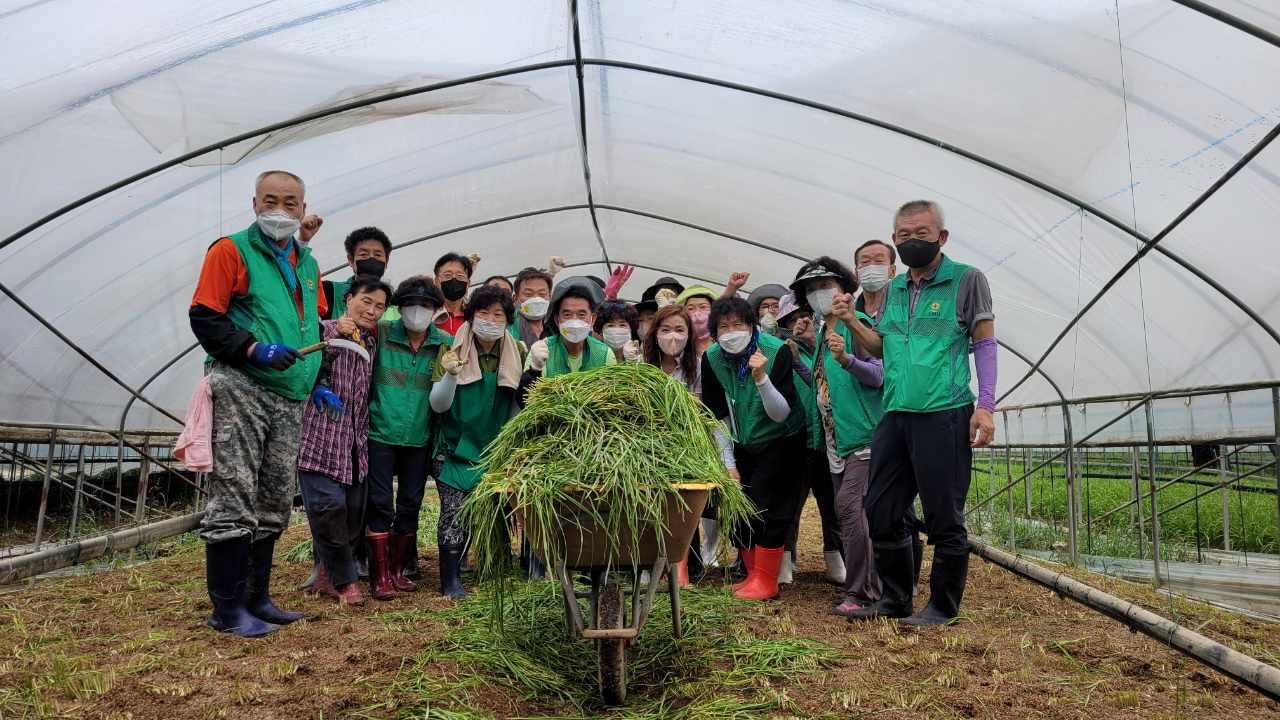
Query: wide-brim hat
(770,290)
(810,271)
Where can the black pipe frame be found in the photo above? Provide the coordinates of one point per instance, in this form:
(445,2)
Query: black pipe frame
(579,63)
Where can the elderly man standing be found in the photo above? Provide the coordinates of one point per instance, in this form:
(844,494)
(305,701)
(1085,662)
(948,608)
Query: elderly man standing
(934,316)
(257,301)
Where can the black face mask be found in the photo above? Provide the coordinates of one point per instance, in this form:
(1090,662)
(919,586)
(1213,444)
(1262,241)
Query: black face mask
(918,253)
(371,266)
(453,289)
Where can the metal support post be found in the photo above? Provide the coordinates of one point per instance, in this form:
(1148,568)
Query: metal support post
(1135,515)
(44,487)
(75,497)
(1069,476)
(1008,470)
(1155,499)
(144,473)
(1224,481)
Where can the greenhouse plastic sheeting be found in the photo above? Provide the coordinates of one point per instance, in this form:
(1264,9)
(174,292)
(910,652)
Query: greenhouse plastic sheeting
(694,139)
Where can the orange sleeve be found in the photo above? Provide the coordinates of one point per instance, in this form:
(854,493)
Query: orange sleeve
(322,304)
(222,276)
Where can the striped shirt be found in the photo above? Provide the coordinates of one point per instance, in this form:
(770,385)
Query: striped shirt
(332,447)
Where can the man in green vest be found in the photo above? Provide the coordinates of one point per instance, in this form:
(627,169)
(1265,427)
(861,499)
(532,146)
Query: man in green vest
(258,299)
(570,347)
(934,316)
(368,250)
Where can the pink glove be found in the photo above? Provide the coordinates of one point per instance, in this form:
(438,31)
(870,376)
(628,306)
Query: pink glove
(619,278)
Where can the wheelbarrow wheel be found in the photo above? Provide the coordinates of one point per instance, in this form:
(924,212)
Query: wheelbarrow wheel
(613,653)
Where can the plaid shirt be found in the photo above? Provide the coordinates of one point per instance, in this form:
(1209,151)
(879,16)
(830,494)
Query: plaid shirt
(328,445)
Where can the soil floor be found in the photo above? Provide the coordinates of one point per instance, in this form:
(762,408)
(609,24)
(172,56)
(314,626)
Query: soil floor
(131,643)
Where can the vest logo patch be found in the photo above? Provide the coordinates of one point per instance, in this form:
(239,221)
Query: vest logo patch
(311,284)
(935,307)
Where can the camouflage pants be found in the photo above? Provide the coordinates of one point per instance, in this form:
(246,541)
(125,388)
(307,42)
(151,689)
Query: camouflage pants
(255,458)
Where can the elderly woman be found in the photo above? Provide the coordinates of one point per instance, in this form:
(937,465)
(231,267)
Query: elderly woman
(475,394)
(617,324)
(847,386)
(747,382)
(400,425)
(333,458)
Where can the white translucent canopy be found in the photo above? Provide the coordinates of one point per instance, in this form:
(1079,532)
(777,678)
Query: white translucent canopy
(690,139)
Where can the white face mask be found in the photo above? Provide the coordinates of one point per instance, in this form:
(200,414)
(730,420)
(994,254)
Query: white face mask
(415,317)
(615,337)
(278,224)
(535,308)
(769,322)
(873,278)
(821,300)
(575,331)
(734,342)
(487,330)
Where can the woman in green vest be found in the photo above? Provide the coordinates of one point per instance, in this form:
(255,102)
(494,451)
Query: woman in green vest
(796,327)
(400,425)
(747,382)
(475,395)
(847,382)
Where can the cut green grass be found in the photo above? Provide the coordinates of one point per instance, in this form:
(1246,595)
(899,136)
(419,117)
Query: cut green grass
(720,669)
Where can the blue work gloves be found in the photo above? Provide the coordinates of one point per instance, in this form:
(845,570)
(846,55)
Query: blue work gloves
(327,402)
(273,355)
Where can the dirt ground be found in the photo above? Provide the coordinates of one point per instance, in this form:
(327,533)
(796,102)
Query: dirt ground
(131,643)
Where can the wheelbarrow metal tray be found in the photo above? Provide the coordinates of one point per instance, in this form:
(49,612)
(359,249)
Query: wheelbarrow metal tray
(586,544)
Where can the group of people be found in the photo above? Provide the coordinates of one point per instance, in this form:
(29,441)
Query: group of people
(851,383)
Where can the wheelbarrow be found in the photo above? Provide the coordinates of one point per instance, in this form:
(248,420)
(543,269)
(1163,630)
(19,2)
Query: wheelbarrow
(586,551)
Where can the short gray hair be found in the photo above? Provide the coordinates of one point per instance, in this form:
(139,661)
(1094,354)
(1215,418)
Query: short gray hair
(264,175)
(915,207)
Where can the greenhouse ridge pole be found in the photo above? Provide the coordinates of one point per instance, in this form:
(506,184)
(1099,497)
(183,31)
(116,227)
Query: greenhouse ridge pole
(1227,18)
(580,72)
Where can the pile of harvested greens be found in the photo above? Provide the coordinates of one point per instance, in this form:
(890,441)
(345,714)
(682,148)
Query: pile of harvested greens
(611,444)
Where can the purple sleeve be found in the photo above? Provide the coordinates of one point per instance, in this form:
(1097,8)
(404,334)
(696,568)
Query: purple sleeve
(984,358)
(869,372)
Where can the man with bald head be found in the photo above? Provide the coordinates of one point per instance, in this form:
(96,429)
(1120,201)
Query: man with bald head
(257,301)
(932,319)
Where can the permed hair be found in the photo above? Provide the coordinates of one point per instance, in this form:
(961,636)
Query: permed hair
(487,296)
(729,308)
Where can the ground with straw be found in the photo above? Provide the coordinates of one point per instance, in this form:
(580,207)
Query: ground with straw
(129,642)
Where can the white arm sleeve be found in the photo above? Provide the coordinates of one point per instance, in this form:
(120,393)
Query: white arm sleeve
(442,393)
(775,406)
(725,443)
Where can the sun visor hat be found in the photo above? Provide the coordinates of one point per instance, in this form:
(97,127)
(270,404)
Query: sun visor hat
(810,271)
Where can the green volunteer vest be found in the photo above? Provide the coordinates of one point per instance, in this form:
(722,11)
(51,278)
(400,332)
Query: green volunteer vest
(269,312)
(479,411)
(926,355)
(751,426)
(855,408)
(400,395)
(339,305)
(809,399)
(595,354)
